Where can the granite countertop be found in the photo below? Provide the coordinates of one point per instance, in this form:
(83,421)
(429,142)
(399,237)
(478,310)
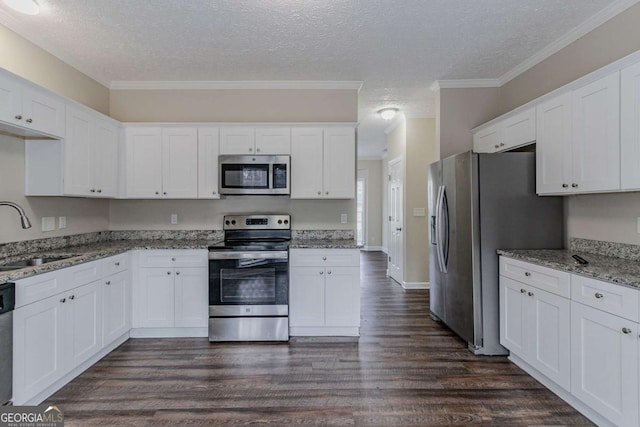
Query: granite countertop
(90,252)
(615,270)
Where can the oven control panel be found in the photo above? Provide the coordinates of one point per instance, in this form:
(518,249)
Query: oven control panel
(257,222)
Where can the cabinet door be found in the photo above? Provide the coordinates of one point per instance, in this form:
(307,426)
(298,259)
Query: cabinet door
(39,345)
(192,297)
(306,296)
(630,128)
(273,140)
(43,112)
(604,363)
(518,130)
(339,163)
(116,307)
(596,135)
(180,163)
(342,296)
(156,294)
(237,140)
(84,323)
(78,154)
(106,159)
(487,140)
(553,146)
(548,326)
(208,149)
(306,163)
(144,162)
(512,317)
(10,100)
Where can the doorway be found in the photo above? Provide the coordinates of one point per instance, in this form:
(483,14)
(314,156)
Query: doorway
(361,207)
(395,246)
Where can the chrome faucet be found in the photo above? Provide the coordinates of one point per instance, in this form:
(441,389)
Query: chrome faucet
(23,217)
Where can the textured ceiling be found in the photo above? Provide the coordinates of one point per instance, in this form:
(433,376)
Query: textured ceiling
(397,47)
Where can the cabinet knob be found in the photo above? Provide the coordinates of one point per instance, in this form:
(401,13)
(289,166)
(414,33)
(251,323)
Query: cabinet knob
(626,331)
(99,191)
(496,146)
(72,297)
(565,185)
(502,144)
(63,300)
(18,117)
(213,192)
(168,273)
(165,193)
(157,193)
(599,295)
(93,190)
(527,274)
(530,294)
(329,272)
(250,150)
(108,282)
(322,272)
(324,258)
(177,273)
(327,193)
(29,120)
(173,259)
(522,291)
(574,185)
(117,263)
(257,150)
(319,193)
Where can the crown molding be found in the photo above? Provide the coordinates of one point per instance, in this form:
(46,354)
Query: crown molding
(228,85)
(587,26)
(464,83)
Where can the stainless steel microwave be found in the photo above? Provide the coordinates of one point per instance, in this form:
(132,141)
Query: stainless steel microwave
(254,174)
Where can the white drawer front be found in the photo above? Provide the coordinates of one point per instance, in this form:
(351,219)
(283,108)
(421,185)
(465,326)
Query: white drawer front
(611,298)
(325,257)
(82,274)
(178,258)
(42,286)
(115,264)
(550,280)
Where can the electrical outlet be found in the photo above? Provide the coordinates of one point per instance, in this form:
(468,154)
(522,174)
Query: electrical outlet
(638,225)
(343,218)
(48,223)
(174,219)
(62,222)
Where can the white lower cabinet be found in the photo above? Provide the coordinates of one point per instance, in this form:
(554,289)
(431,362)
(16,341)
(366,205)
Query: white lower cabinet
(116,306)
(586,349)
(324,293)
(171,293)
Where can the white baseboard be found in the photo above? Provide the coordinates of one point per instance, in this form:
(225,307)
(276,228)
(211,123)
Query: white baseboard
(169,332)
(324,331)
(372,248)
(415,285)
(385,250)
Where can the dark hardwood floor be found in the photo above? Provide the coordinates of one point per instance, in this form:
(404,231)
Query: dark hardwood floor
(404,370)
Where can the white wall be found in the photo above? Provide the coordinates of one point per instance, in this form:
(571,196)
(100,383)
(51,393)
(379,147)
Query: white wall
(374,193)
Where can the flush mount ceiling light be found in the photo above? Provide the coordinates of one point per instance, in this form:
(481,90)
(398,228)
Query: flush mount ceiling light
(28,7)
(388,113)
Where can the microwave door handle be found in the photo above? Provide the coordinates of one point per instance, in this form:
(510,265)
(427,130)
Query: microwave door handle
(270,180)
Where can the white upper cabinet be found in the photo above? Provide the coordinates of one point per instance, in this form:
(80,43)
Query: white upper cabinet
(630,128)
(596,135)
(514,131)
(162,163)
(553,146)
(90,155)
(28,107)
(323,163)
(180,163)
(266,140)
(208,150)
(578,134)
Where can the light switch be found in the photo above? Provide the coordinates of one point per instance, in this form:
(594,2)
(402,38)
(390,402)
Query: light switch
(419,212)
(62,222)
(48,223)
(174,219)
(343,219)
(638,225)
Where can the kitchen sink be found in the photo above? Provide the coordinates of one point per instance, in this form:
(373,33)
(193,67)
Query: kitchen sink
(30,262)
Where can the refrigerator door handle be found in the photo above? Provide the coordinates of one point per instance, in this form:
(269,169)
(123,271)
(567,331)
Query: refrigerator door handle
(444,246)
(439,248)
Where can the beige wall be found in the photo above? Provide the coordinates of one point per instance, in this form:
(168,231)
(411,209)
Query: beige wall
(83,215)
(384,186)
(609,217)
(234,105)
(27,60)
(459,111)
(373,197)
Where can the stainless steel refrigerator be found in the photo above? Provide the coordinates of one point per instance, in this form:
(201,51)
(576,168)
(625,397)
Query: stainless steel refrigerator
(479,203)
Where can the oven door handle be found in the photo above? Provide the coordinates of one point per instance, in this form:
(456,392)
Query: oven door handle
(283,255)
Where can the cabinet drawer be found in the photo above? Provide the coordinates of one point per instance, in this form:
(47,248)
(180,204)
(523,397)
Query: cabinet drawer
(181,258)
(115,264)
(608,297)
(519,129)
(42,286)
(550,280)
(82,274)
(487,140)
(325,257)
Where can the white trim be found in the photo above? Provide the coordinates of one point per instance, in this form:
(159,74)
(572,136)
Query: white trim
(464,83)
(369,158)
(394,124)
(324,331)
(385,250)
(240,84)
(241,124)
(584,28)
(415,285)
(372,248)
(169,332)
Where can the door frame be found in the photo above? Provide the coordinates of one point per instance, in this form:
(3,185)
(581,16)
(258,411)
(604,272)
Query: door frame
(392,163)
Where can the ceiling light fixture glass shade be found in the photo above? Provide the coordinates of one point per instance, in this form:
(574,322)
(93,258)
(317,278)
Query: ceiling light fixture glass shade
(28,7)
(388,113)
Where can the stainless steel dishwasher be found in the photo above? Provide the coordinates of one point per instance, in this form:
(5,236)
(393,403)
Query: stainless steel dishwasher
(7,303)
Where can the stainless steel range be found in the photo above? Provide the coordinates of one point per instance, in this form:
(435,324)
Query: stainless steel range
(249,279)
